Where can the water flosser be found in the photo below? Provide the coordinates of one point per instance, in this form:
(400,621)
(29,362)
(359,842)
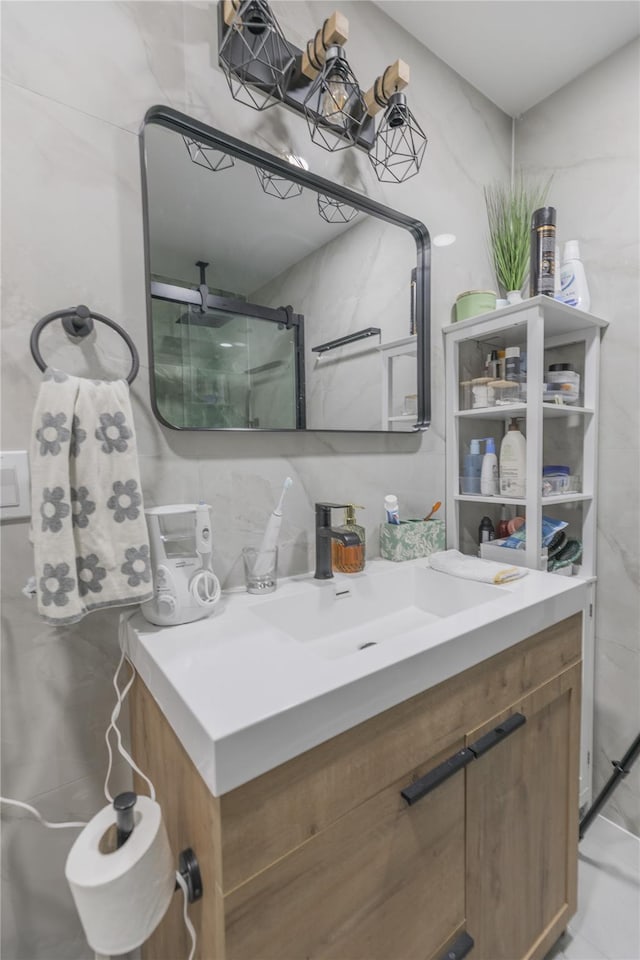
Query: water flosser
(204,586)
(203,535)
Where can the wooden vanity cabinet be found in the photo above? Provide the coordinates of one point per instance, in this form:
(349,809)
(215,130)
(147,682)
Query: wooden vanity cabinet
(324,857)
(522,825)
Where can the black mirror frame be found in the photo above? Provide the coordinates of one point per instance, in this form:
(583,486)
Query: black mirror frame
(182,124)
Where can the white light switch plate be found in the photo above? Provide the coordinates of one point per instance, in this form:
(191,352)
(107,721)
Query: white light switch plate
(15,501)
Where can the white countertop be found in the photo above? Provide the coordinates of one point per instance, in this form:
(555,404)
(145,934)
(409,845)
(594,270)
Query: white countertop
(243,696)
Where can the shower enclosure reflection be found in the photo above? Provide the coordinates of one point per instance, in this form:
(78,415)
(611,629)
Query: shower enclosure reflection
(228,367)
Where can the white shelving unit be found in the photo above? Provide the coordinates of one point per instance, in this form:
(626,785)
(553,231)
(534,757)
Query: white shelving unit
(390,352)
(549,332)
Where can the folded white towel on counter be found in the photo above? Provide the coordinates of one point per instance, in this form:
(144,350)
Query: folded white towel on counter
(88,528)
(473,568)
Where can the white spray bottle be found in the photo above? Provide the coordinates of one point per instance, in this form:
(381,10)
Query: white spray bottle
(574,289)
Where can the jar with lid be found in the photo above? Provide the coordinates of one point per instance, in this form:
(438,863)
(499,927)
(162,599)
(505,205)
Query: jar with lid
(563,382)
(503,392)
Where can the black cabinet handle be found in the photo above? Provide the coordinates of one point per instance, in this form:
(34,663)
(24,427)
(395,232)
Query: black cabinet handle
(423,786)
(497,735)
(460,947)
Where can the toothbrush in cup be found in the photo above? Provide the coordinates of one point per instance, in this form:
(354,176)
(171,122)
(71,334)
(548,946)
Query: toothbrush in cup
(271,534)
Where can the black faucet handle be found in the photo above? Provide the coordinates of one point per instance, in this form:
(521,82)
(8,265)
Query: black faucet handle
(333,506)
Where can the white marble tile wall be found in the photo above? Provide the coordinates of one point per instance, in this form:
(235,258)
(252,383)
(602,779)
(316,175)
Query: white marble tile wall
(369,267)
(587,136)
(77,80)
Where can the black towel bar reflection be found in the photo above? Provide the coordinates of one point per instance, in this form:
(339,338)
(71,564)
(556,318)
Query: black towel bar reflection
(78,322)
(349,338)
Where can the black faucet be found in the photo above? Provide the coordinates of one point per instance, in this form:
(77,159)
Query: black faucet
(325,533)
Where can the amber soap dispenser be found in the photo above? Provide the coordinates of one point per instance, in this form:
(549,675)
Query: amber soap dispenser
(349,559)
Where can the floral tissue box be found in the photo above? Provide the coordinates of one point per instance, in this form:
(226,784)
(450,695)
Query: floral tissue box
(411,539)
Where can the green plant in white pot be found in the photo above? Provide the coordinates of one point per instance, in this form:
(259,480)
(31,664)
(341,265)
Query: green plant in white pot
(509,209)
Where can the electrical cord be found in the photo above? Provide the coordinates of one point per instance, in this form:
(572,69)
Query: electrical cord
(120,696)
(38,816)
(187,922)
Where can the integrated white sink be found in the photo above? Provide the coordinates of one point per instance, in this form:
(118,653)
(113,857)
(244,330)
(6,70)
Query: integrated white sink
(341,617)
(266,678)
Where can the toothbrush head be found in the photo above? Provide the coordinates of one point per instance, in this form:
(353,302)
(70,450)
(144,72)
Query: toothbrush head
(287,483)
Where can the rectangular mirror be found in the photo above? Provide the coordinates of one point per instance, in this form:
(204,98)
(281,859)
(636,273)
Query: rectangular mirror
(277,300)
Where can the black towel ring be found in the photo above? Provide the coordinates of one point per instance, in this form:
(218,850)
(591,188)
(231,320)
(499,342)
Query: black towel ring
(78,322)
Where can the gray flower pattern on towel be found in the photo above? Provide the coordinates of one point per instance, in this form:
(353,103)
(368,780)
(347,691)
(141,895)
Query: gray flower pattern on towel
(136,566)
(125,501)
(52,433)
(78,436)
(114,432)
(81,506)
(89,574)
(53,509)
(56,584)
(58,375)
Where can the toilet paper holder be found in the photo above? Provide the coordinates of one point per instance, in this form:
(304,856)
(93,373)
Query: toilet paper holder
(188,866)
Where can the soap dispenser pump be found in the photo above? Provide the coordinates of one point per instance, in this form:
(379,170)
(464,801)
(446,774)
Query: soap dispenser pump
(349,559)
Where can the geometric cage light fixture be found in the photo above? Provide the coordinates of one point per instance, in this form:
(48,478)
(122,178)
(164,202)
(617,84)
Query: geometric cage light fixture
(263,68)
(206,156)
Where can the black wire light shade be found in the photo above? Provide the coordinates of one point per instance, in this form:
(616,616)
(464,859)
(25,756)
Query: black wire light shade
(334,106)
(276,186)
(334,211)
(207,157)
(400,143)
(255,57)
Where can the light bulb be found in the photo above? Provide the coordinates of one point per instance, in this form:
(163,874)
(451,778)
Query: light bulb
(334,97)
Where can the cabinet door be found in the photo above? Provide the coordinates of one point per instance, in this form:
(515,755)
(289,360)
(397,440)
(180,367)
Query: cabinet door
(385,880)
(522,825)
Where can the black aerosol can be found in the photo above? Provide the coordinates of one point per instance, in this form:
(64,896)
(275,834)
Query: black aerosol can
(543,252)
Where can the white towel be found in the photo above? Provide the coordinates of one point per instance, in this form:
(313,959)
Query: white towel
(473,568)
(88,528)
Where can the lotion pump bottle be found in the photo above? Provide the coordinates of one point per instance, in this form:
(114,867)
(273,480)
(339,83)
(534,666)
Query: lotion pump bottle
(489,473)
(513,462)
(349,559)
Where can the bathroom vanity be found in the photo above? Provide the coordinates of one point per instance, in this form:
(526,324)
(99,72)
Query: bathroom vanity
(373,802)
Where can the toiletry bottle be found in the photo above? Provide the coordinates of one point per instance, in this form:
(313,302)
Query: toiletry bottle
(513,462)
(486,530)
(512,364)
(557,263)
(574,289)
(543,252)
(349,559)
(472,468)
(489,472)
(503,525)
(391,509)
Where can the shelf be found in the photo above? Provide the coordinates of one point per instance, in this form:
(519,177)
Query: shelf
(566,498)
(404,344)
(494,413)
(560,410)
(473,498)
(520,501)
(559,319)
(520,410)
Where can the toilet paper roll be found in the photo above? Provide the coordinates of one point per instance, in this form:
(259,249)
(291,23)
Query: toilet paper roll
(121,894)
